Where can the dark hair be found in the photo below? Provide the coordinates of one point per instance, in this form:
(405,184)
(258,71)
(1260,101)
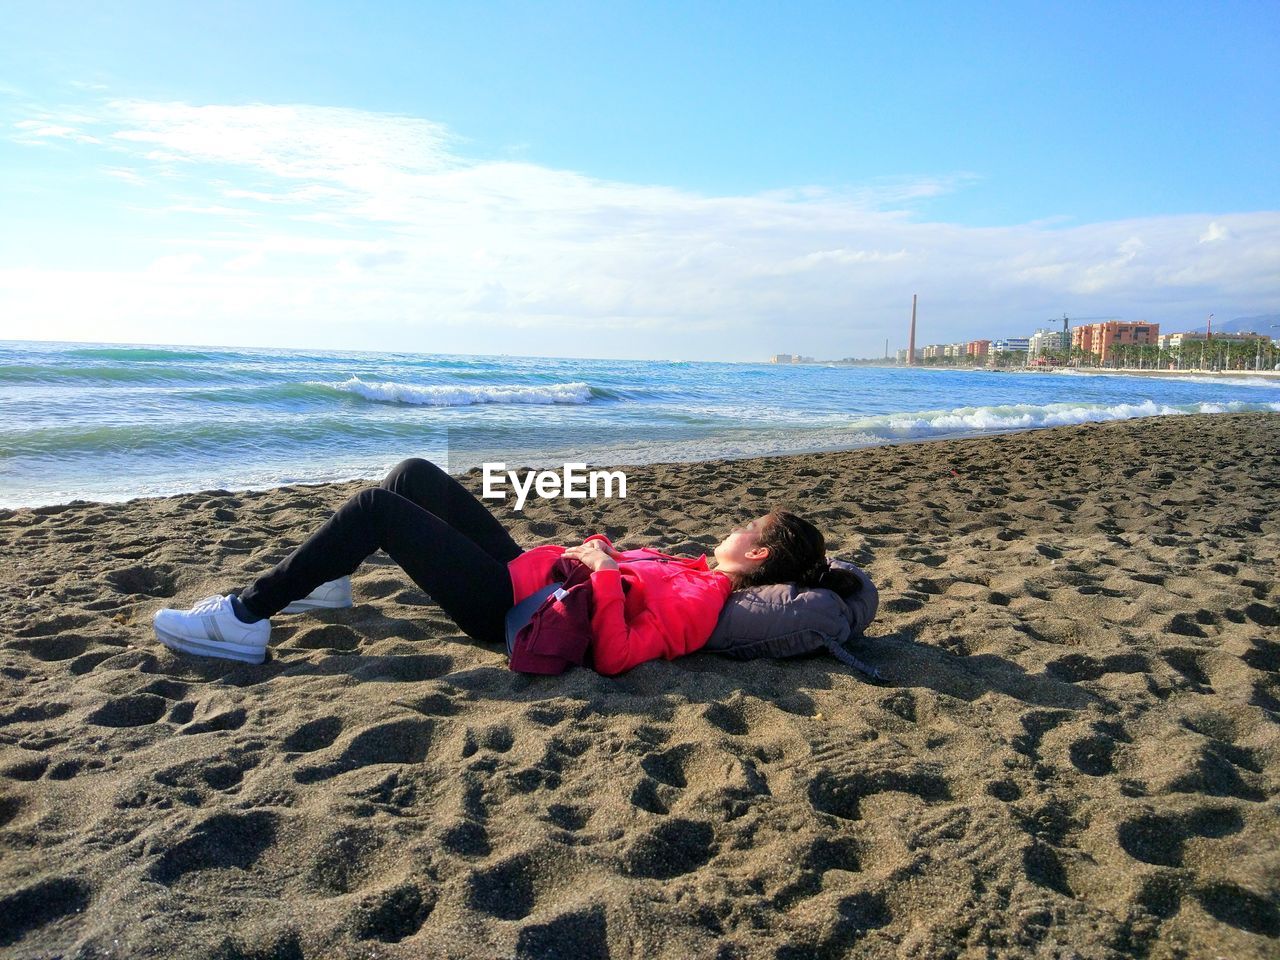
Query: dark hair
(797,554)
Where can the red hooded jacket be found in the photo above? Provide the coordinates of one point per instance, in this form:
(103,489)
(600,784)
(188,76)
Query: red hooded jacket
(670,608)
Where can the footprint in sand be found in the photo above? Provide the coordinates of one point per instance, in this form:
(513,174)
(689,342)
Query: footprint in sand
(131,711)
(1005,791)
(1266,694)
(466,838)
(1035,724)
(579,933)
(393,914)
(1264,656)
(814,861)
(1093,755)
(397,741)
(674,847)
(10,807)
(26,770)
(55,649)
(842,795)
(668,767)
(1214,768)
(1188,662)
(1185,625)
(55,626)
(225,840)
(1241,908)
(1160,840)
(331,636)
(397,792)
(68,769)
(144,580)
(218,719)
(543,775)
(507,891)
(568,817)
(33,713)
(728,717)
(1044,868)
(378,586)
(1076,667)
(42,903)
(411,668)
(192,777)
(313,735)
(344,860)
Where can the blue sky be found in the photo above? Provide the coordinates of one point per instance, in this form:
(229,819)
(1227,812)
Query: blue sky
(712,181)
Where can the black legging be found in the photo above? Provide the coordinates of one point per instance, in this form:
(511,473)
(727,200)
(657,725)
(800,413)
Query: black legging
(444,538)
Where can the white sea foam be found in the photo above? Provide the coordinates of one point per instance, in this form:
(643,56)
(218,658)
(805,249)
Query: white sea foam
(879,430)
(1271,382)
(1244,381)
(1023,416)
(460,396)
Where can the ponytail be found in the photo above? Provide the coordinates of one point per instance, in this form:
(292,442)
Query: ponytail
(814,576)
(837,579)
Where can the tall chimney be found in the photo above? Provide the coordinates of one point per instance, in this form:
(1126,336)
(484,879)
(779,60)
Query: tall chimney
(911,340)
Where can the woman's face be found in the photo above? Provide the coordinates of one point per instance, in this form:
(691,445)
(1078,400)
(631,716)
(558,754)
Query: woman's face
(739,551)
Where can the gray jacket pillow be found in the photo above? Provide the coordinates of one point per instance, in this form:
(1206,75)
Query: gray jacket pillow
(786,620)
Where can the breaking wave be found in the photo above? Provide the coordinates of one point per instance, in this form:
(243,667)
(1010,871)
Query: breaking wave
(462,396)
(1022,416)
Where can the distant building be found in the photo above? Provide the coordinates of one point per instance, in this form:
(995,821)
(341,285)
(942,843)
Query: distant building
(978,348)
(782,358)
(1011,345)
(1175,341)
(1046,340)
(934,350)
(902,354)
(1101,339)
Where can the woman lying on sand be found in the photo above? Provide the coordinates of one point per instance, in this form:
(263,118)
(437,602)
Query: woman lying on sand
(449,543)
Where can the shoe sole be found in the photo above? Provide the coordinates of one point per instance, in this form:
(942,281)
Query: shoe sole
(302,606)
(222,651)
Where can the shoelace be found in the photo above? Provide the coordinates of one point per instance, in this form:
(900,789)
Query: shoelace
(208,604)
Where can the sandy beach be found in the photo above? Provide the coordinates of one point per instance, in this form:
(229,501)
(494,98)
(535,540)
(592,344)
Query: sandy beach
(1077,754)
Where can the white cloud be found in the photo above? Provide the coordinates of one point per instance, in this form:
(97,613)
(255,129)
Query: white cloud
(211,209)
(1214,233)
(368,226)
(38,132)
(178,263)
(127,175)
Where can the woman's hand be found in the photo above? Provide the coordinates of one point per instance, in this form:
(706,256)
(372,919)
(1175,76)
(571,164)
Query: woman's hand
(595,554)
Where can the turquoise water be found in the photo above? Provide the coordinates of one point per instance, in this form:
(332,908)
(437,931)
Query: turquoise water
(103,422)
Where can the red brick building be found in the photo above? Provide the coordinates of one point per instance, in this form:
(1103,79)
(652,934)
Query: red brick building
(1101,339)
(978,348)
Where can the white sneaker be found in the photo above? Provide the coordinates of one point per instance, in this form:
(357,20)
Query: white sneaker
(334,595)
(211,629)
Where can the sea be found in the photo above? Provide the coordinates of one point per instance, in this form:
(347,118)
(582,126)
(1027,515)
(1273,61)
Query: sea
(106,422)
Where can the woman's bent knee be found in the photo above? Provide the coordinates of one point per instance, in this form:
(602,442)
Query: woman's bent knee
(410,467)
(368,498)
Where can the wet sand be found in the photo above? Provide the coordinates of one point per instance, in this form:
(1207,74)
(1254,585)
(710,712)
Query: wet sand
(1077,756)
